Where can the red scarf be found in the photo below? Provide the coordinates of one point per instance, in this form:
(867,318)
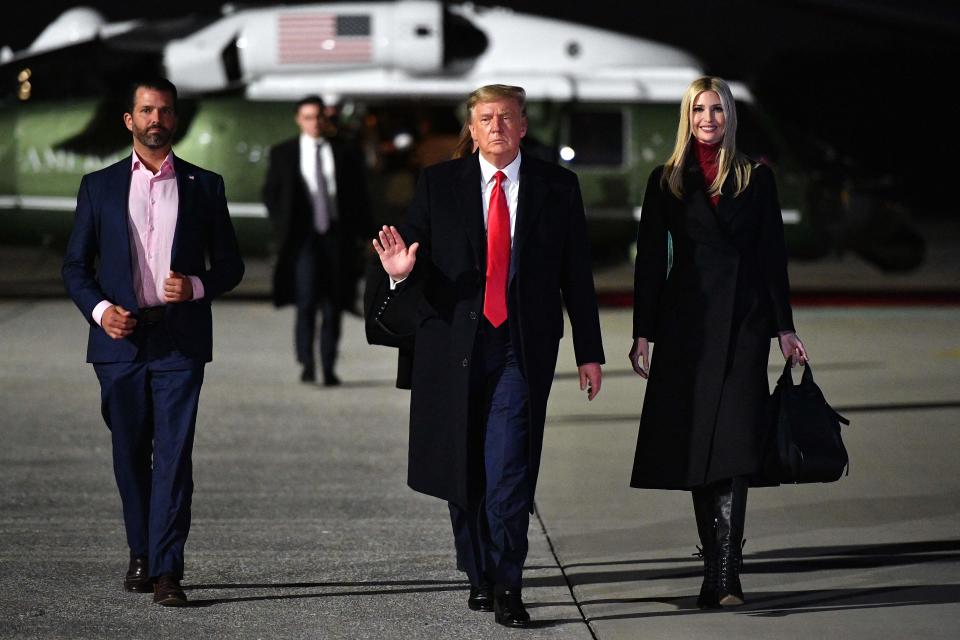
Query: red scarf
(708,157)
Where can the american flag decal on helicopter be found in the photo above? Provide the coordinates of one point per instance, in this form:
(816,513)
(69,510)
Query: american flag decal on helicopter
(311,38)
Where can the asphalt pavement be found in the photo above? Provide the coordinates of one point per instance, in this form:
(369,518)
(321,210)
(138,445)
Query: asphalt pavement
(303,526)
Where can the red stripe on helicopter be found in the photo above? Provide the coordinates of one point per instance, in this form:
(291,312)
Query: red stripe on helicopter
(305,38)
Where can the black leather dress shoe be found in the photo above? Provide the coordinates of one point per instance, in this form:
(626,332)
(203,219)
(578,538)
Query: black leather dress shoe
(330,379)
(167,592)
(308,374)
(137,578)
(508,608)
(481,598)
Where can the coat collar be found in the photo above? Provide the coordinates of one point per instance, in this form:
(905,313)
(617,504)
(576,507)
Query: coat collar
(533,191)
(724,216)
(470,204)
(114,218)
(186,193)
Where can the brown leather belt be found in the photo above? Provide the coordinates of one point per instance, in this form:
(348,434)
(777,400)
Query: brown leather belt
(151,315)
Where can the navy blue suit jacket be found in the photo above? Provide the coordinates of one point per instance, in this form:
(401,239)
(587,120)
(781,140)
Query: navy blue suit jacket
(99,266)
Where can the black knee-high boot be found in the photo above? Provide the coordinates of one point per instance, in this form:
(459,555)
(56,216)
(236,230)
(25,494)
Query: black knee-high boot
(703,509)
(730,510)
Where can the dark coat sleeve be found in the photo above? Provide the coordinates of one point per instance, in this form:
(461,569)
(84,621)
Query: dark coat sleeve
(576,283)
(650,268)
(271,190)
(773,250)
(392,316)
(78,263)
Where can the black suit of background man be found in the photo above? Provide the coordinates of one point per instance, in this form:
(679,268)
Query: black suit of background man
(317,270)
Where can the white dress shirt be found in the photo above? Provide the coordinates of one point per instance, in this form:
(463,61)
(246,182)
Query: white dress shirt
(511,188)
(153,205)
(308,164)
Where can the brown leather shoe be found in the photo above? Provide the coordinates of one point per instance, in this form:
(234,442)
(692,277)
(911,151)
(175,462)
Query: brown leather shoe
(167,592)
(137,578)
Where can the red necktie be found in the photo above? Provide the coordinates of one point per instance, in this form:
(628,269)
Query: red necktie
(498,254)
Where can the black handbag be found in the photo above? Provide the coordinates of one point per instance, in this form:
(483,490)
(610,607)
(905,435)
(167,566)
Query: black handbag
(803,443)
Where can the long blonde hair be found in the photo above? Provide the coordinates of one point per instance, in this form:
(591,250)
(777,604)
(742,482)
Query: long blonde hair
(487,93)
(729,159)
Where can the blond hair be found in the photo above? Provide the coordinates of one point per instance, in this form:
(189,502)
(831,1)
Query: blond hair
(487,93)
(729,158)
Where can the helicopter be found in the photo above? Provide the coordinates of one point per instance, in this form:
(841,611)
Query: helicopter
(395,75)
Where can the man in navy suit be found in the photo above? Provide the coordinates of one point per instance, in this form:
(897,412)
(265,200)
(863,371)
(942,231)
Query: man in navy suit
(152,244)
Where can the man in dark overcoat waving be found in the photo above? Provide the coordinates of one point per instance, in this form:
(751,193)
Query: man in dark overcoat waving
(494,244)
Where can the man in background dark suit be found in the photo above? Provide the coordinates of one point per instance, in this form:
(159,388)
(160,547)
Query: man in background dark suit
(160,229)
(492,243)
(316,195)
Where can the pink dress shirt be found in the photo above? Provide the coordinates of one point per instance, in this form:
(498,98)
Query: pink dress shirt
(152,219)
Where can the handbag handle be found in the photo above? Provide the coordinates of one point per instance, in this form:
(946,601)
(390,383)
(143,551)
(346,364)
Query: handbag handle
(787,378)
(787,375)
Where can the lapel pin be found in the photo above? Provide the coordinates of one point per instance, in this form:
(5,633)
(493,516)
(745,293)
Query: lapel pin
(190,176)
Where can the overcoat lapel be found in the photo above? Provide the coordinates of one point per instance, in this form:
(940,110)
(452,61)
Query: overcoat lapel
(469,201)
(529,203)
(700,212)
(186,191)
(728,208)
(116,205)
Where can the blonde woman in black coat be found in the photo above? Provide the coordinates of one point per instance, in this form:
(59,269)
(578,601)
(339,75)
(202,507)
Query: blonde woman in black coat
(712,313)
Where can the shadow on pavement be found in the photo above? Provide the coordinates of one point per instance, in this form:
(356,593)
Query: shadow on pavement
(426,586)
(407,587)
(795,560)
(781,604)
(587,419)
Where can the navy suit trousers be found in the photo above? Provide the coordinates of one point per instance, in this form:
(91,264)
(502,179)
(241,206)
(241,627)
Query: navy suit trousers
(491,535)
(150,406)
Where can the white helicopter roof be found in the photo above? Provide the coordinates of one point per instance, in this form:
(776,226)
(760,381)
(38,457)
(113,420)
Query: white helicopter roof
(383,50)
(76,25)
(405,49)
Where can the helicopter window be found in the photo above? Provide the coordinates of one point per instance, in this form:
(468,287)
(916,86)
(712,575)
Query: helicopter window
(594,139)
(353,26)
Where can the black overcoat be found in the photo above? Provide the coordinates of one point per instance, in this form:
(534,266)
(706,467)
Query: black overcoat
(289,206)
(552,268)
(711,319)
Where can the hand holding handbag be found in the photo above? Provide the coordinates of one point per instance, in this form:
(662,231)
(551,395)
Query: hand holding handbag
(803,443)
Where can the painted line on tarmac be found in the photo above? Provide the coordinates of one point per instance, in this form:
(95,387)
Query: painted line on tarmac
(773,368)
(563,571)
(826,298)
(586,419)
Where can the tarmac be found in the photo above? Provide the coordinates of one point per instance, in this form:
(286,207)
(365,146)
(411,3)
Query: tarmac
(303,526)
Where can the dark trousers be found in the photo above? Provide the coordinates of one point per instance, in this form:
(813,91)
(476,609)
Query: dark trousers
(317,275)
(150,407)
(490,535)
